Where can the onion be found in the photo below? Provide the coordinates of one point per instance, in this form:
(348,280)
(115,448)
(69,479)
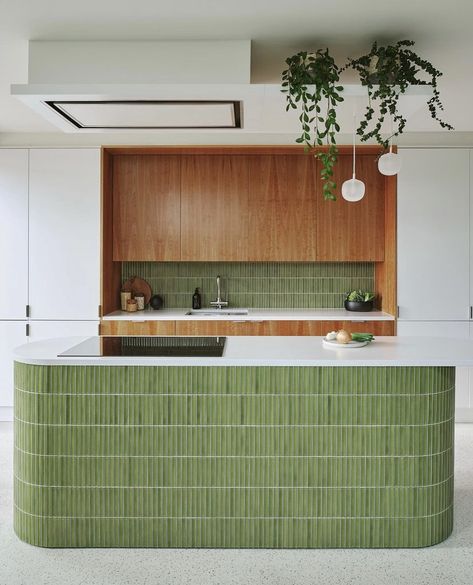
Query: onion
(343,336)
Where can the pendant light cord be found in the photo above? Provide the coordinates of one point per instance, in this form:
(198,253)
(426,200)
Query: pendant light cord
(354,134)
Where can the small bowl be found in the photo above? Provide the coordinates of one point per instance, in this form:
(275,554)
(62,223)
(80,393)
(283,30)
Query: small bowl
(156,302)
(360,306)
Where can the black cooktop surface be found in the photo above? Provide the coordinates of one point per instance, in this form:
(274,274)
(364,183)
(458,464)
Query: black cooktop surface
(148,347)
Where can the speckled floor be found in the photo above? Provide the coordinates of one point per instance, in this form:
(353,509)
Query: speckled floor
(448,563)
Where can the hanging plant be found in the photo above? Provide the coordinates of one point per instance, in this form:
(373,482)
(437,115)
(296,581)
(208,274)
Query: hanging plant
(387,72)
(310,82)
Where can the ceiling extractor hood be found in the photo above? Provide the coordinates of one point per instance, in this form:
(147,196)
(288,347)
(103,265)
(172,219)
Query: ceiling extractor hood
(148,115)
(101,86)
(107,86)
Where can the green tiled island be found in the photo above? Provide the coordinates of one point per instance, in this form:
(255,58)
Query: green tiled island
(297,446)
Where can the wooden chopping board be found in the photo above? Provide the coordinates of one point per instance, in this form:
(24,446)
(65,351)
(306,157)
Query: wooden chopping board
(135,284)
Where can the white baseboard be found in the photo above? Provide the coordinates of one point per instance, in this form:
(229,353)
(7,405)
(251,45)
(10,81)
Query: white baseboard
(6,413)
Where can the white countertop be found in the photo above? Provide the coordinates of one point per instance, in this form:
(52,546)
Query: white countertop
(277,351)
(253,315)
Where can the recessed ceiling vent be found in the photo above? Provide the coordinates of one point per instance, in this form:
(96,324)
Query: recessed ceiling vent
(149,114)
(134,86)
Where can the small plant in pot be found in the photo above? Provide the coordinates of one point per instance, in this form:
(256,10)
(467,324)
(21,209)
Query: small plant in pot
(310,82)
(359,300)
(387,72)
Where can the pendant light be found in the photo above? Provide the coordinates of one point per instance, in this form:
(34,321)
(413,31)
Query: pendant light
(389,164)
(353,189)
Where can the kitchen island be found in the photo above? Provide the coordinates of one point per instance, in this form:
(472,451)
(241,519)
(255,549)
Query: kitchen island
(279,443)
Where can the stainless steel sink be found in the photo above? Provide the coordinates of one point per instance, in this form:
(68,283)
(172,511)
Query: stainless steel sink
(217,312)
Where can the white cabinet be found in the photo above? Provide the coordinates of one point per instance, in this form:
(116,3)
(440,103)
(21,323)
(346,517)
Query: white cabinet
(47,329)
(12,334)
(49,250)
(433,235)
(64,242)
(13,233)
(435,232)
(447,329)
(464,376)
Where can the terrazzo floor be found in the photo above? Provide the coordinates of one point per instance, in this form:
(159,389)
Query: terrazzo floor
(450,562)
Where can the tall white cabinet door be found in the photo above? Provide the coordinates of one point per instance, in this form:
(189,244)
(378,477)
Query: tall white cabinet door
(12,334)
(39,330)
(64,246)
(13,233)
(433,235)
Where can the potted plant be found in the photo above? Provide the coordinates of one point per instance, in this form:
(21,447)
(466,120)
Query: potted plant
(359,300)
(387,72)
(310,82)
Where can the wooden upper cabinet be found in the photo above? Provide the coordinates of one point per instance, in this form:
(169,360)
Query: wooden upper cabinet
(214,207)
(234,207)
(282,208)
(352,231)
(146,207)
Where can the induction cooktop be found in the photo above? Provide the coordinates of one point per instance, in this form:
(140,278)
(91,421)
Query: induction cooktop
(128,346)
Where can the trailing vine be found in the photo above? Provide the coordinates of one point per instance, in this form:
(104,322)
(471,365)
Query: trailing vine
(310,82)
(387,72)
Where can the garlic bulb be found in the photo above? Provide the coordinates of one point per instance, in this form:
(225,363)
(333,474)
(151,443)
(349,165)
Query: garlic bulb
(331,336)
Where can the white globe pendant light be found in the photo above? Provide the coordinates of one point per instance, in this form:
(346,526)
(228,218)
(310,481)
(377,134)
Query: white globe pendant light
(389,164)
(353,189)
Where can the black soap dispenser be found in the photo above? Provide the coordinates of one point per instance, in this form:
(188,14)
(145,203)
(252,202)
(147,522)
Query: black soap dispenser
(196,300)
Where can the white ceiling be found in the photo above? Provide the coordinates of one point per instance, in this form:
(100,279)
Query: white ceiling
(442,32)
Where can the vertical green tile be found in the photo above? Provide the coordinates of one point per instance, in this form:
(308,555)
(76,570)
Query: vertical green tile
(298,285)
(233,456)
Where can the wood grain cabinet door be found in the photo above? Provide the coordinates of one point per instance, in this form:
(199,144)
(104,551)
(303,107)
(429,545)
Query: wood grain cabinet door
(137,327)
(146,208)
(348,231)
(289,328)
(214,207)
(282,208)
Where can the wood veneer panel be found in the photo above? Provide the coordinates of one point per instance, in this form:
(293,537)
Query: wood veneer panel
(386,272)
(375,327)
(138,328)
(283,193)
(296,328)
(214,208)
(232,149)
(222,328)
(146,207)
(348,231)
(110,279)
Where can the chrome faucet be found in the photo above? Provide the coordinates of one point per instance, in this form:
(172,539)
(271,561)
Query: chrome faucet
(219,302)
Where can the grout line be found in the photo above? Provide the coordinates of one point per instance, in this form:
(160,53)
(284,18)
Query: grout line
(126,456)
(231,487)
(239,395)
(233,517)
(255,425)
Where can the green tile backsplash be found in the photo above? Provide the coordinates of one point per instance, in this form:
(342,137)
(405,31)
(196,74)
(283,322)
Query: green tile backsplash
(263,285)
